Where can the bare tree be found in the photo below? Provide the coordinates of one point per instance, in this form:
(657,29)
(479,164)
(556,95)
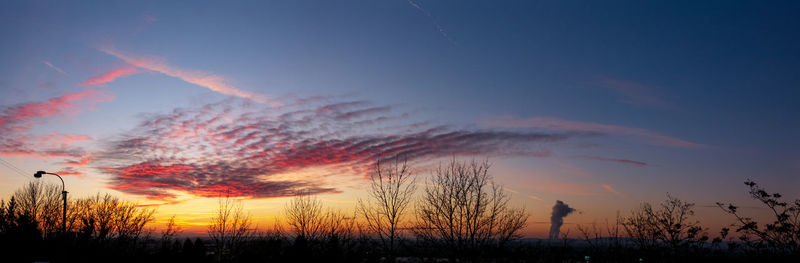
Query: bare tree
(670,225)
(337,225)
(310,221)
(100,216)
(782,235)
(464,209)
(42,202)
(130,220)
(229,227)
(390,193)
(639,227)
(107,217)
(305,216)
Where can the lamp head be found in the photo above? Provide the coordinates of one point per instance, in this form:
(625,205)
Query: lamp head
(39,174)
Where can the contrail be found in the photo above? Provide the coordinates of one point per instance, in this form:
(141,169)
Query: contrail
(560,210)
(55,68)
(428,14)
(204,79)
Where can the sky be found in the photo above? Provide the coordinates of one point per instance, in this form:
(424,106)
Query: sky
(600,105)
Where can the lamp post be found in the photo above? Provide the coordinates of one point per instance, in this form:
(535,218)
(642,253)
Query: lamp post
(39,174)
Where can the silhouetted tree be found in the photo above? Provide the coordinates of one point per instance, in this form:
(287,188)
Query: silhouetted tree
(670,225)
(107,217)
(337,225)
(782,235)
(187,248)
(464,210)
(390,193)
(43,203)
(229,227)
(20,236)
(305,216)
(199,248)
(610,242)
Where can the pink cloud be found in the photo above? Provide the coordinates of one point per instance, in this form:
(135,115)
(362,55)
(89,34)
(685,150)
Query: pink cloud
(100,81)
(60,138)
(41,154)
(247,151)
(209,80)
(21,117)
(648,136)
(84,161)
(69,171)
(16,121)
(611,189)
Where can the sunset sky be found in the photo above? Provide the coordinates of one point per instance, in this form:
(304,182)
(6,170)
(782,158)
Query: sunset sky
(600,105)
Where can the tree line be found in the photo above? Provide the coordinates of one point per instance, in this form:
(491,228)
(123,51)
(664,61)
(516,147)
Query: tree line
(459,214)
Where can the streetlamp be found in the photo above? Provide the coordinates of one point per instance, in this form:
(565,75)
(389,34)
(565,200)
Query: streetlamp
(39,174)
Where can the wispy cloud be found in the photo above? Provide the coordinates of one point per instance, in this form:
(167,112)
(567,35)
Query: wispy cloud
(439,27)
(21,117)
(205,79)
(615,160)
(83,161)
(17,121)
(611,189)
(47,63)
(103,79)
(546,123)
(634,93)
(224,148)
(148,18)
(69,171)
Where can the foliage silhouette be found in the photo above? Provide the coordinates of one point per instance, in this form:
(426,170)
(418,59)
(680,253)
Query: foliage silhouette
(669,226)
(781,236)
(105,228)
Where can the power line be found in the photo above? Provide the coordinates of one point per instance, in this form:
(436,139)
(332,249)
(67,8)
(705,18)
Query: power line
(11,166)
(15,168)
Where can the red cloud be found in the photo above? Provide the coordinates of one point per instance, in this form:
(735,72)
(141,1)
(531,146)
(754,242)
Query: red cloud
(100,81)
(229,149)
